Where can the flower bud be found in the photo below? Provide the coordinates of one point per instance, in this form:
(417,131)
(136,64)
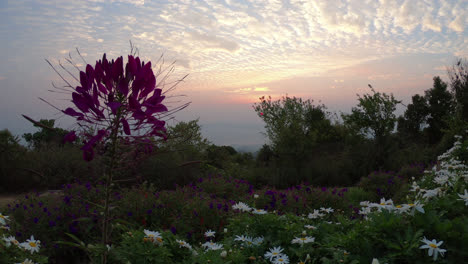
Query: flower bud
(223,254)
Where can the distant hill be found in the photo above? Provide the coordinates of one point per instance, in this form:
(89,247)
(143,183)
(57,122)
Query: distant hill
(247,148)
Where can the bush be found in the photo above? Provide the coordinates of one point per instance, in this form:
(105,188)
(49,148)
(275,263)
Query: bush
(12,159)
(57,165)
(357,194)
(383,184)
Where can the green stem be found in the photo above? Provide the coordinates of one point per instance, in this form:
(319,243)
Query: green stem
(108,188)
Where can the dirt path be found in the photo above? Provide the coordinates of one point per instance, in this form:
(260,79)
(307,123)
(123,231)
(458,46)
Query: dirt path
(8,199)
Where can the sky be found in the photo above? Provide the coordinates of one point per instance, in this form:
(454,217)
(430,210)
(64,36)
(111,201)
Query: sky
(233,52)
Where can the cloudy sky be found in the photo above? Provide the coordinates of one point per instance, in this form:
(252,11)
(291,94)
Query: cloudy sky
(234,52)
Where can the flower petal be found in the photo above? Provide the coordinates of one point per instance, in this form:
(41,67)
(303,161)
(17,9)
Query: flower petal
(126,127)
(70,137)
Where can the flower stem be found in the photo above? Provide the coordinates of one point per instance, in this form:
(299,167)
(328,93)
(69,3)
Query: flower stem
(108,188)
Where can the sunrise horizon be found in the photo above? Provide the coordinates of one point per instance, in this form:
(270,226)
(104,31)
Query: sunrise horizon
(233,52)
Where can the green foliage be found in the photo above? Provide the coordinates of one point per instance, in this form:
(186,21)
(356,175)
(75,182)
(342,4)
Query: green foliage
(458,75)
(357,194)
(45,136)
(14,254)
(133,248)
(179,159)
(374,116)
(382,184)
(411,123)
(440,108)
(294,126)
(12,158)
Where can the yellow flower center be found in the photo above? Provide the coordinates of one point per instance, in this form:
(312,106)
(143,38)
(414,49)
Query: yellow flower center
(15,242)
(398,206)
(159,239)
(303,238)
(382,203)
(433,245)
(280,259)
(151,235)
(32,244)
(1,216)
(274,253)
(411,204)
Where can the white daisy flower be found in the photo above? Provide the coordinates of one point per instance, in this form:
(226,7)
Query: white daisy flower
(303,240)
(3,219)
(365,211)
(183,244)
(281,259)
(364,203)
(153,236)
(416,207)
(431,193)
(273,253)
(434,247)
(257,241)
(241,238)
(211,246)
(464,197)
(242,207)
(259,211)
(316,214)
(31,245)
(327,210)
(210,233)
(10,240)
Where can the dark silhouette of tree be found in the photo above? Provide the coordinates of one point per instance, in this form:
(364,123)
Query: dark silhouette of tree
(440,107)
(411,124)
(374,117)
(46,135)
(458,75)
(265,156)
(294,127)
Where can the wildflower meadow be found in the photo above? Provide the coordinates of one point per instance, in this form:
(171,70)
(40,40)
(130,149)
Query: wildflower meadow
(110,211)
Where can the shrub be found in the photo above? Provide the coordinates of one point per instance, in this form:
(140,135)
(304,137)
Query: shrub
(383,184)
(357,194)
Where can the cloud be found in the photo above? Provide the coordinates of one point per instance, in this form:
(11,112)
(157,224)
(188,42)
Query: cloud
(214,42)
(244,44)
(429,23)
(249,90)
(458,24)
(261,89)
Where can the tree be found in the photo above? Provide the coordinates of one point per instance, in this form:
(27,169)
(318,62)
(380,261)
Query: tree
(458,75)
(414,119)
(294,127)
(186,136)
(440,107)
(374,116)
(265,156)
(45,135)
(11,159)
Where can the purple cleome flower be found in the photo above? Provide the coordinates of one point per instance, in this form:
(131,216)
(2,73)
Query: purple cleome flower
(110,94)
